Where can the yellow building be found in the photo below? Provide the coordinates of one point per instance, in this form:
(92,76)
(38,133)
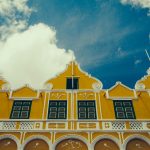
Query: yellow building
(74,112)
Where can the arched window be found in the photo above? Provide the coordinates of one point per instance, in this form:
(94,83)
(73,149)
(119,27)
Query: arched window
(36,144)
(137,144)
(70,144)
(106,144)
(8,144)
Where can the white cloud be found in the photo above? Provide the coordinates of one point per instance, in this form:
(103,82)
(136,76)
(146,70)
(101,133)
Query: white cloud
(10,28)
(138,61)
(9,7)
(138,3)
(32,57)
(14,14)
(121,53)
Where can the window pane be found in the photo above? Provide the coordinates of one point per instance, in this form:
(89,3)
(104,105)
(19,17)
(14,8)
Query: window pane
(17,108)
(91,109)
(82,109)
(82,115)
(17,103)
(25,107)
(52,115)
(61,115)
(72,83)
(90,103)
(75,83)
(26,103)
(24,114)
(126,104)
(121,115)
(53,103)
(118,103)
(54,109)
(130,115)
(91,115)
(69,83)
(128,109)
(82,103)
(61,109)
(62,103)
(119,109)
(15,114)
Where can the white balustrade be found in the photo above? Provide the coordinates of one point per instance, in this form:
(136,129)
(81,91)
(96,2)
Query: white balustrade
(76,125)
(8,125)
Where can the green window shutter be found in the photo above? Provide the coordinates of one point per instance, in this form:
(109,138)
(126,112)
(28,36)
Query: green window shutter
(72,83)
(86,109)
(57,109)
(21,109)
(124,109)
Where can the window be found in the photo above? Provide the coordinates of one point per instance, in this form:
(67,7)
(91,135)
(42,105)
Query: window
(124,109)
(86,109)
(72,83)
(21,109)
(57,109)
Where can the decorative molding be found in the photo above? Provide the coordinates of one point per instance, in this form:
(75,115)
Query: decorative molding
(97,86)
(57,95)
(48,86)
(86,95)
(139,86)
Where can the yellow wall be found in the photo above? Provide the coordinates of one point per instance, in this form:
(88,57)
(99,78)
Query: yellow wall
(103,98)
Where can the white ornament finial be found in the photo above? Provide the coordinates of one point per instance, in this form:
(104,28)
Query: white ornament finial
(148,71)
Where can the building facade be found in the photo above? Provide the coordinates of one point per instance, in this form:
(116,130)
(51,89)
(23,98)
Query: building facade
(74,112)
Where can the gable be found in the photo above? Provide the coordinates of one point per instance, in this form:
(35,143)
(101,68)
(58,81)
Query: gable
(24,92)
(120,91)
(73,71)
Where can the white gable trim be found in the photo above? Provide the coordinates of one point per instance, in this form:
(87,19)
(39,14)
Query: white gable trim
(23,98)
(122,97)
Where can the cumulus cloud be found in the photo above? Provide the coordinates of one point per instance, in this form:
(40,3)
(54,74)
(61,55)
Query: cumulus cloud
(32,57)
(29,54)
(139,3)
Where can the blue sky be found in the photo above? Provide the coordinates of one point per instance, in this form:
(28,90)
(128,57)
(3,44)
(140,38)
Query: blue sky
(108,38)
